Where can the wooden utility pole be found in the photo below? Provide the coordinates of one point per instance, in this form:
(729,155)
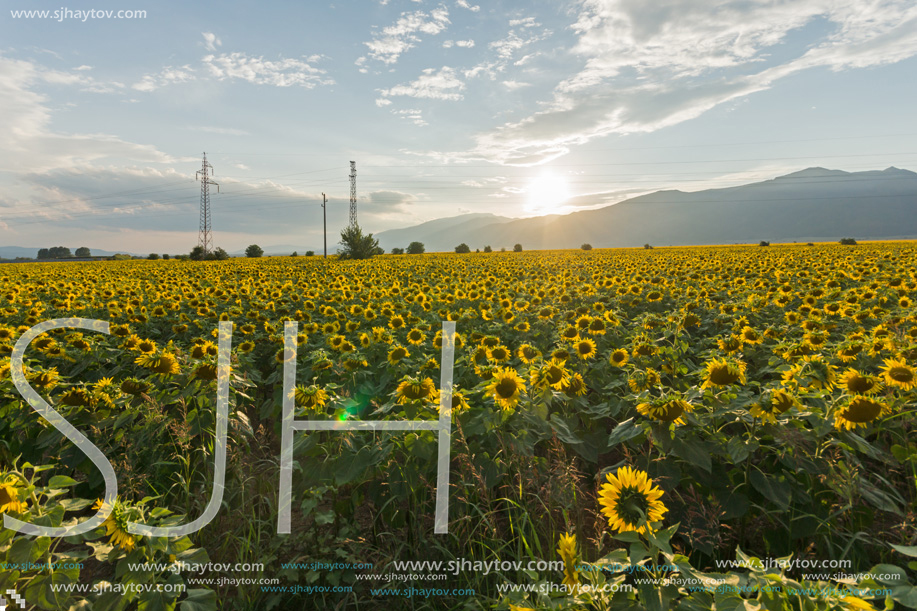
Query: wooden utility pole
(325,222)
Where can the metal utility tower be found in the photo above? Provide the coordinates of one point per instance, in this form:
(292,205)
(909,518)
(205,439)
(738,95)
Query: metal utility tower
(205,237)
(353,193)
(325,222)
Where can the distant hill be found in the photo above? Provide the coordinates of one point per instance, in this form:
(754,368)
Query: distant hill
(809,205)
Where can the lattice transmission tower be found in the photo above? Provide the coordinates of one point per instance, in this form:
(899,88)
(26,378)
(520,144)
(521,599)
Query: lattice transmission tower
(205,237)
(353,193)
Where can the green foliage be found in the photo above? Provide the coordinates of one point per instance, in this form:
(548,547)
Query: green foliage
(848,241)
(517,248)
(647,246)
(356,245)
(462,248)
(488,249)
(82,251)
(397,251)
(310,253)
(416,248)
(294,254)
(586,246)
(152,256)
(764,243)
(254,251)
(166,256)
(198,254)
(55,252)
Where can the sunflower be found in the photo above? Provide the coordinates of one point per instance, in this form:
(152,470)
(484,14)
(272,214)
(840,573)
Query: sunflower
(860,384)
(631,502)
(505,387)
(730,344)
(116,525)
(44,380)
(666,410)
(585,348)
(550,375)
(566,549)
(146,346)
(643,380)
(859,411)
(10,501)
(499,354)
(246,347)
(310,397)
(459,400)
(75,397)
(165,363)
(396,322)
(574,385)
(397,354)
(618,358)
(416,337)
(773,403)
(899,373)
(354,362)
(528,353)
(723,372)
(205,371)
(750,336)
(414,389)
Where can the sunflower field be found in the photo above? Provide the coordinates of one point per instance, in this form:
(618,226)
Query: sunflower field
(682,428)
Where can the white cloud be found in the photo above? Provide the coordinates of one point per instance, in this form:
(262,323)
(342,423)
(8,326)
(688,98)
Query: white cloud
(474,8)
(448,44)
(394,40)
(527,22)
(281,73)
(27,142)
(164,77)
(648,65)
(441,85)
(513,85)
(211,42)
(464,43)
(411,114)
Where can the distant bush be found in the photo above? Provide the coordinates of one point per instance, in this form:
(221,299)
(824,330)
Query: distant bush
(82,251)
(310,253)
(848,241)
(294,254)
(397,251)
(220,255)
(152,256)
(586,246)
(254,251)
(462,248)
(647,246)
(120,257)
(356,245)
(488,249)
(166,256)
(764,243)
(183,257)
(416,248)
(809,244)
(503,249)
(517,248)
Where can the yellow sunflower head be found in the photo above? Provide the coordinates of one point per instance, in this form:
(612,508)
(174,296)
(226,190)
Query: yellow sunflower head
(631,502)
(899,374)
(773,402)
(413,389)
(666,409)
(12,499)
(505,387)
(724,372)
(858,412)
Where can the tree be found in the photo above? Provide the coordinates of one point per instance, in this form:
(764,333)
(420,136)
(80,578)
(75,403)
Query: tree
(44,253)
(197,253)
(397,251)
(152,256)
(586,246)
(764,243)
(462,248)
(416,248)
(647,246)
(219,254)
(294,254)
(488,249)
(165,256)
(356,245)
(310,253)
(59,252)
(517,248)
(844,241)
(254,251)
(82,251)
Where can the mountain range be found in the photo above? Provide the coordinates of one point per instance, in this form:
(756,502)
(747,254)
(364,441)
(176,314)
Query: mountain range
(814,204)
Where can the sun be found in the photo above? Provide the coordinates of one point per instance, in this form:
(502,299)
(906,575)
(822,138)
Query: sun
(547,193)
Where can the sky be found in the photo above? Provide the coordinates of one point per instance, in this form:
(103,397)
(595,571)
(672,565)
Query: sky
(447,107)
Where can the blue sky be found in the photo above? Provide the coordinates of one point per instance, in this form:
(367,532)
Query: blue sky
(447,107)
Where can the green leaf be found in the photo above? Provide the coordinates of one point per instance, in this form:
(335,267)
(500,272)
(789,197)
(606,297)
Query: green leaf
(907,550)
(737,449)
(62,481)
(199,600)
(775,488)
(624,431)
(154,601)
(692,451)
(891,575)
(21,551)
